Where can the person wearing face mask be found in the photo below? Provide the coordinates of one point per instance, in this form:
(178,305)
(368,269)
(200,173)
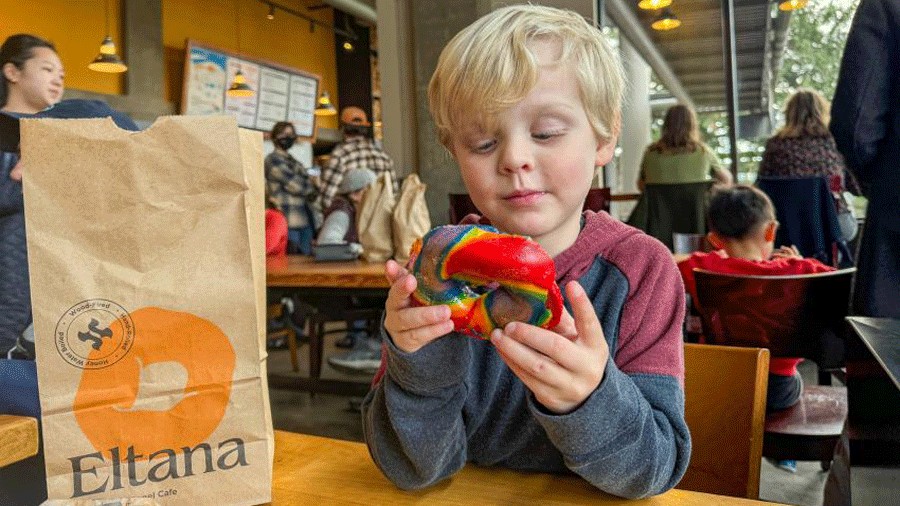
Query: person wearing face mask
(291,188)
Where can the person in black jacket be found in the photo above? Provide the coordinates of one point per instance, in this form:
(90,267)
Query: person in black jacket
(865,122)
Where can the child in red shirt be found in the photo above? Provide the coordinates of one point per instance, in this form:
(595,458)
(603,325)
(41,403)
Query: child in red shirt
(742,229)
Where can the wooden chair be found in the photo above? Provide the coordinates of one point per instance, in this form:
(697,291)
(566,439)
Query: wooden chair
(461,204)
(276,311)
(337,313)
(792,316)
(725,406)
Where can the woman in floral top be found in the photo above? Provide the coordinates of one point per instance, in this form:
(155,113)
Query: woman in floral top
(804,147)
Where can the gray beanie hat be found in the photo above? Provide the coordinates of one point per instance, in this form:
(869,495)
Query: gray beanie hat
(356,179)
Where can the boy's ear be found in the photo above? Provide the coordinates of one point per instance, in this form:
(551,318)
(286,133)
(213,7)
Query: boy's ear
(714,239)
(605,150)
(769,231)
(11,72)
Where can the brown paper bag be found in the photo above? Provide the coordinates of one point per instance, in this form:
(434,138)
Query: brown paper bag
(146,255)
(373,220)
(411,220)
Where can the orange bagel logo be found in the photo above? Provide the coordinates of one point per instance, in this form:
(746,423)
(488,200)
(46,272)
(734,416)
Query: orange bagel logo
(121,404)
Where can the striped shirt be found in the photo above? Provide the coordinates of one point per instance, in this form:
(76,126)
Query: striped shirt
(355,152)
(289,186)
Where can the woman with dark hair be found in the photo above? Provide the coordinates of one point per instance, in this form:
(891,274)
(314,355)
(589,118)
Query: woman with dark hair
(32,81)
(804,147)
(289,185)
(679,156)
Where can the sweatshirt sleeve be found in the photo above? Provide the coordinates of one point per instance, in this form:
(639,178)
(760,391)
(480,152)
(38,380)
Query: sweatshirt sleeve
(412,418)
(630,438)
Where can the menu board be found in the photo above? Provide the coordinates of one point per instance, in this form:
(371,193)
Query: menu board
(281,93)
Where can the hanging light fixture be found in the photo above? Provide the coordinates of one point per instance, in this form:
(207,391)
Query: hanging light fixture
(792,5)
(239,87)
(666,21)
(107,60)
(652,5)
(324,107)
(271,15)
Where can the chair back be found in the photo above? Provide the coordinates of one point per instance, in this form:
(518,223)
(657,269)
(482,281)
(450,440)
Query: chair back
(597,200)
(664,209)
(806,213)
(725,409)
(792,316)
(460,206)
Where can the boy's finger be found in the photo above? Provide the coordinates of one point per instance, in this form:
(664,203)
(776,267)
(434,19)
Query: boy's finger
(589,330)
(393,271)
(424,335)
(545,342)
(414,317)
(566,325)
(398,295)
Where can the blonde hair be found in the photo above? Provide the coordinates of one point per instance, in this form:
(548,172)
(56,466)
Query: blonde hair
(806,114)
(488,66)
(680,133)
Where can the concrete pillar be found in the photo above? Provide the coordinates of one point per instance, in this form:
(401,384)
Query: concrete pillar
(398,83)
(636,118)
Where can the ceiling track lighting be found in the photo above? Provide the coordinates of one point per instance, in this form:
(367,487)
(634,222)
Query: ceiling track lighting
(313,22)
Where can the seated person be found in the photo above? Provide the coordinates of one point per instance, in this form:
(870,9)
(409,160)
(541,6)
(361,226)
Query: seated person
(340,227)
(742,229)
(276,230)
(527,101)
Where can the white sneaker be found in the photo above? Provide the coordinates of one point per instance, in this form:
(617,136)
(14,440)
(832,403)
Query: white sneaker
(365,357)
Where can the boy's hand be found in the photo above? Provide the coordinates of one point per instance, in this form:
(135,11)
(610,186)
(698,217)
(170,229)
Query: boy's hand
(563,366)
(411,327)
(787,252)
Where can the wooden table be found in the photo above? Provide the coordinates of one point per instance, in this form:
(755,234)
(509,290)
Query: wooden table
(320,284)
(315,470)
(18,438)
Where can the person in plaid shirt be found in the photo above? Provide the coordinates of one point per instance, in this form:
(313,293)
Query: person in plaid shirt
(289,185)
(356,152)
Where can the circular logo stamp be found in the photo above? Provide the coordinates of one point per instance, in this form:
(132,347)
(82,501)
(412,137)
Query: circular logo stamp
(94,334)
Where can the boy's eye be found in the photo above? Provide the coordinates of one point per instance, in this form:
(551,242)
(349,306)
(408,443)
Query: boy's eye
(542,136)
(483,147)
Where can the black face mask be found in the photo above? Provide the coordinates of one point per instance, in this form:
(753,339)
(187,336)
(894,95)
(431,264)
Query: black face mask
(285,143)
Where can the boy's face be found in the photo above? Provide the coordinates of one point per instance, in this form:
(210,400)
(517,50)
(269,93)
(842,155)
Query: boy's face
(531,173)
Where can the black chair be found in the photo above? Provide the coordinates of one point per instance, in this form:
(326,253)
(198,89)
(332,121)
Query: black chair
(806,213)
(664,209)
(792,316)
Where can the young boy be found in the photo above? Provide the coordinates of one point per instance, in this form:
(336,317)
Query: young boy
(527,101)
(742,229)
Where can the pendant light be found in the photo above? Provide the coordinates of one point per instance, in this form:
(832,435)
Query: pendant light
(107,60)
(239,87)
(666,21)
(324,107)
(792,5)
(652,5)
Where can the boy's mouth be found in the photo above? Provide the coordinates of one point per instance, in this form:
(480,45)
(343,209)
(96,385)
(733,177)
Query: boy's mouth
(524,197)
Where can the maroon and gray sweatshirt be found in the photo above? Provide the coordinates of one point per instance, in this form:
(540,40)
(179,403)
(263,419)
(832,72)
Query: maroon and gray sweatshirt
(455,401)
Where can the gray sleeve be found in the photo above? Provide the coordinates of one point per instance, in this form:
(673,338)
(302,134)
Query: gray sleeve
(335,228)
(640,448)
(412,418)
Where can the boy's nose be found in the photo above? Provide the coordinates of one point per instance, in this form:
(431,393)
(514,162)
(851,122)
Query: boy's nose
(515,157)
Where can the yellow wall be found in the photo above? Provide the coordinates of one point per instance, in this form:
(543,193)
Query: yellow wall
(76,27)
(286,39)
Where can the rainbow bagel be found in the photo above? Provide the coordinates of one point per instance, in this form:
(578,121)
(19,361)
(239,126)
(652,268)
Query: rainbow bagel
(487,278)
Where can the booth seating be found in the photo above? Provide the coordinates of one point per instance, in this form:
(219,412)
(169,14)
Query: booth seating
(725,408)
(792,316)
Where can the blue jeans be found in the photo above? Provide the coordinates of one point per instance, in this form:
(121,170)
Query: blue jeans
(300,240)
